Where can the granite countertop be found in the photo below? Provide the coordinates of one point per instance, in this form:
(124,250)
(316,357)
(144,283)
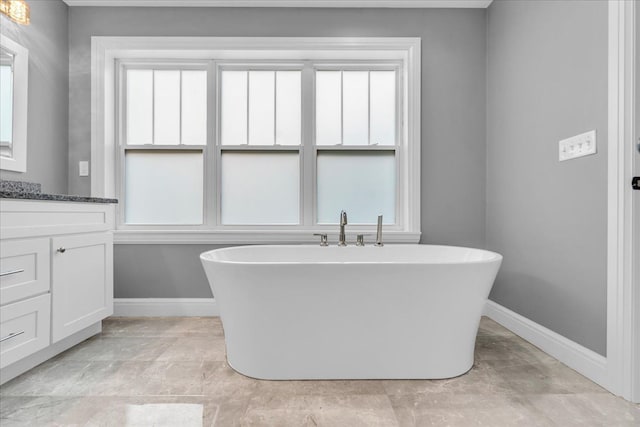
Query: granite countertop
(32,191)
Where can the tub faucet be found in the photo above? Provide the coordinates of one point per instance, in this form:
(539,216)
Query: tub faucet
(379,232)
(343,221)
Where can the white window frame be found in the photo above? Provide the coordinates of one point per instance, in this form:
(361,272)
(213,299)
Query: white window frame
(108,53)
(122,144)
(18,160)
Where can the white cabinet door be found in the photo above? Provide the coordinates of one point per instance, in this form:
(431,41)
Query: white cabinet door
(82,285)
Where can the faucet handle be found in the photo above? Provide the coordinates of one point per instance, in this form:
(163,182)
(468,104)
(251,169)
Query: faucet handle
(343,217)
(360,240)
(323,239)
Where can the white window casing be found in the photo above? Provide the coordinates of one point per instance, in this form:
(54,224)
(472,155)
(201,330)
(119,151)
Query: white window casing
(16,161)
(112,55)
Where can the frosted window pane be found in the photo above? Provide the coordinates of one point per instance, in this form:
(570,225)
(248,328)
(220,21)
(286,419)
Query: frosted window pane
(139,107)
(355,120)
(163,187)
(261,107)
(166,97)
(363,184)
(194,107)
(328,108)
(234,107)
(6,103)
(288,107)
(383,107)
(260,188)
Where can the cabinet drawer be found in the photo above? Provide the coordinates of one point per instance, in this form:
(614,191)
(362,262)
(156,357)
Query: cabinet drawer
(24,328)
(24,269)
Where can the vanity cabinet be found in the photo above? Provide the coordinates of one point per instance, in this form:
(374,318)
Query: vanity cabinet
(56,277)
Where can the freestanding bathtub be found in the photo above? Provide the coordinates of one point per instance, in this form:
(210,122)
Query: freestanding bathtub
(311,312)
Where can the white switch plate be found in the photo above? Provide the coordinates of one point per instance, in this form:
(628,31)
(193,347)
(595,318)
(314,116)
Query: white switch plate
(83,168)
(577,146)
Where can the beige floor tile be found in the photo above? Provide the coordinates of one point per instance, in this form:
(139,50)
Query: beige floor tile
(162,326)
(140,361)
(102,348)
(480,379)
(324,388)
(453,409)
(92,411)
(492,328)
(55,378)
(222,382)
(549,378)
(500,352)
(194,349)
(600,409)
(339,411)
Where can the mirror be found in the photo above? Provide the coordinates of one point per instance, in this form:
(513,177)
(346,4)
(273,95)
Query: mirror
(14,62)
(6,103)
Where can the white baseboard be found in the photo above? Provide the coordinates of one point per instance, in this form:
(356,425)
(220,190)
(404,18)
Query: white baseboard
(165,307)
(587,362)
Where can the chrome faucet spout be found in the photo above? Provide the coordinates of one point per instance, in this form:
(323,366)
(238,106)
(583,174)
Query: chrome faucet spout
(342,239)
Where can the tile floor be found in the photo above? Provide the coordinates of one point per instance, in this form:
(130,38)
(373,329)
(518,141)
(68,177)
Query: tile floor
(172,371)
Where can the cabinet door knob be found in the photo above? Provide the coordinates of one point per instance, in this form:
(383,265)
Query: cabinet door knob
(61,250)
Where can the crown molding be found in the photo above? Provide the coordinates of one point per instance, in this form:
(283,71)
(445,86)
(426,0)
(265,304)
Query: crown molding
(472,4)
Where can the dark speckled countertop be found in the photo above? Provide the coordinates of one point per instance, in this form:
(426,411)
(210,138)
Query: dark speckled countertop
(32,191)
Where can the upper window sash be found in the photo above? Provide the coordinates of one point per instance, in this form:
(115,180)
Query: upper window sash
(184,80)
(351,84)
(259,105)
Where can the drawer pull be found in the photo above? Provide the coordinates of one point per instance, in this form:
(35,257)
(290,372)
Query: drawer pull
(9,273)
(11,335)
(61,250)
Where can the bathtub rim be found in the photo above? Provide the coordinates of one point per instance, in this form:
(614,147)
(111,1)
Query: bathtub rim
(494,256)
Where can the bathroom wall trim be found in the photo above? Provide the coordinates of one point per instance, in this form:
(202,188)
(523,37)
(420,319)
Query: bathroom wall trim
(474,4)
(587,362)
(165,307)
(623,292)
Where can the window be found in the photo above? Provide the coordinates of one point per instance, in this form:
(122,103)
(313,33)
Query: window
(260,138)
(264,146)
(164,134)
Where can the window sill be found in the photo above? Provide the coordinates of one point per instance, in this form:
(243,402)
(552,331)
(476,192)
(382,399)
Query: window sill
(200,237)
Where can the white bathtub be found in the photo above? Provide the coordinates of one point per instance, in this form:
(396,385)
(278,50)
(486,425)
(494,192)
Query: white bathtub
(311,312)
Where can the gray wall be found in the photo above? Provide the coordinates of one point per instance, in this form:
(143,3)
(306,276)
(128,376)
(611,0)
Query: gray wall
(453,113)
(47,116)
(547,80)
(160,271)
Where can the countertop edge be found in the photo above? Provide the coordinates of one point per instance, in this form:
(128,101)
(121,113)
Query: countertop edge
(53,197)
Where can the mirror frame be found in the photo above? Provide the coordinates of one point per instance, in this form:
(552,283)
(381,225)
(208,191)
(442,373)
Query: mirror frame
(18,161)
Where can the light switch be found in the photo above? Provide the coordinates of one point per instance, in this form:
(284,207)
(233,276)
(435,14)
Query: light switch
(577,146)
(83,168)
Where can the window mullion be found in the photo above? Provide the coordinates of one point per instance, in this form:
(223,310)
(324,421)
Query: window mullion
(213,143)
(121,137)
(341,107)
(153,107)
(369,107)
(275,105)
(248,108)
(180,107)
(308,155)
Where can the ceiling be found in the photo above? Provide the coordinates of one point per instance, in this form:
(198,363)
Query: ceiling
(477,4)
